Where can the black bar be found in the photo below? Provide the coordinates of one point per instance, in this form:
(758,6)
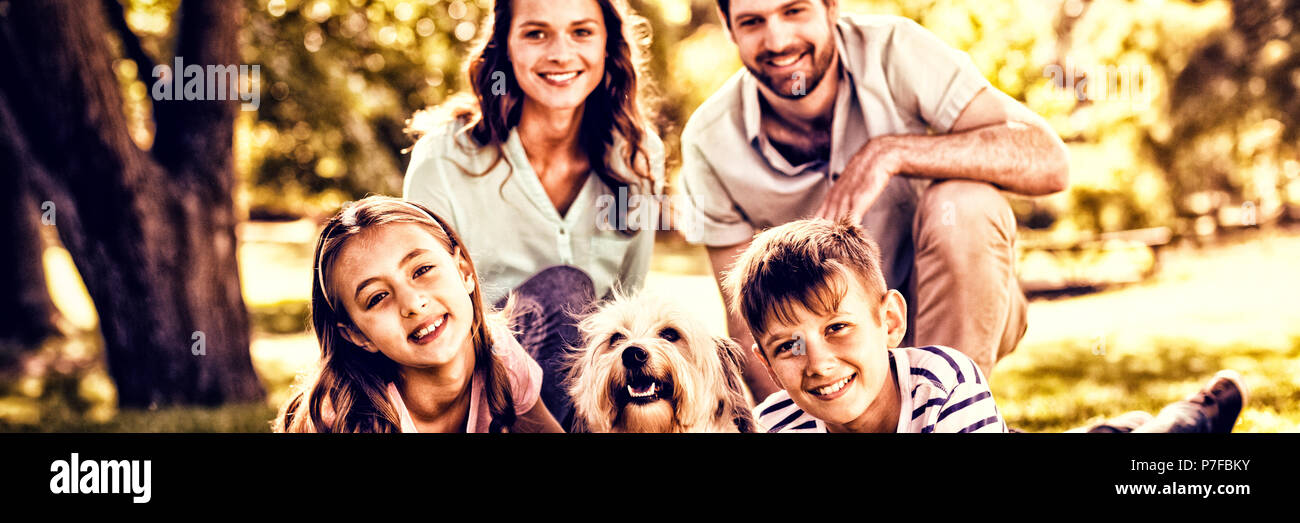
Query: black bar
(1010,471)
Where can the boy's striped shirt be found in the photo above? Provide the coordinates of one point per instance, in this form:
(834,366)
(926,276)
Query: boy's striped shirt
(941,390)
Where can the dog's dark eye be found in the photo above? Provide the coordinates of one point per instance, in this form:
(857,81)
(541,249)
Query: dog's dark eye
(669,334)
(615,338)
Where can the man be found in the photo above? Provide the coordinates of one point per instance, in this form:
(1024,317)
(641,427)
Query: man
(872,117)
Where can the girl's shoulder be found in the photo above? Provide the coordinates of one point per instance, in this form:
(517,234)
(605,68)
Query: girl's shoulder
(524,372)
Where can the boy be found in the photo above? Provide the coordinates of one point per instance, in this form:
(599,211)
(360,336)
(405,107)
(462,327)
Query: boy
(825,326)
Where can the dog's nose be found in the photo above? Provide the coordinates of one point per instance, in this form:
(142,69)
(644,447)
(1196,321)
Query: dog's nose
(635,356)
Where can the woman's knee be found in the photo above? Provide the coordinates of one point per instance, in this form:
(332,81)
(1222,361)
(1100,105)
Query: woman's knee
(568,277)
(562,285)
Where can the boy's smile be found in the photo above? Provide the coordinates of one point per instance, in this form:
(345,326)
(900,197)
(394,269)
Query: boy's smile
(834,390)
(835,365)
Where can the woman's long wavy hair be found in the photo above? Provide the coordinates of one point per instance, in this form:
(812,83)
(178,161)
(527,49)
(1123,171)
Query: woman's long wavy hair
(352,381)
(614,109)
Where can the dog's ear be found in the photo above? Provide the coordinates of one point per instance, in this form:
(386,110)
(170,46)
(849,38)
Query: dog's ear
(729,352)
(733,366)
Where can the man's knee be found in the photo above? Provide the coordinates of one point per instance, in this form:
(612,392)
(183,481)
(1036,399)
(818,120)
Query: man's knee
(958,216)
(964,233)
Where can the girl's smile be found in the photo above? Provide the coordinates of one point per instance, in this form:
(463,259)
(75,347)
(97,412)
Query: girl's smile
(428,330)
(410,299)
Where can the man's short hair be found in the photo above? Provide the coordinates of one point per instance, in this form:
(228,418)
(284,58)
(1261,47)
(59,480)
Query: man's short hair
(805,264)
(725,7)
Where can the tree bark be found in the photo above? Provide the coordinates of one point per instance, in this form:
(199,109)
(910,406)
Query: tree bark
(26,311)
(152,233)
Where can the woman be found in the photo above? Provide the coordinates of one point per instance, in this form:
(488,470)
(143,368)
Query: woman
(529,170)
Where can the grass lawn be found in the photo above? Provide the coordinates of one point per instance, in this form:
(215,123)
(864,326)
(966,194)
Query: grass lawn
(1082,359)
(1145,345)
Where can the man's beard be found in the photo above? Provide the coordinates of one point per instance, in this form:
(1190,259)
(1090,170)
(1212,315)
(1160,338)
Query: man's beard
(821,64)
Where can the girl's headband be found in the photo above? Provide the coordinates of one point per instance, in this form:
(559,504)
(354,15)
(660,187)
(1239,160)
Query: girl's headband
(320,271)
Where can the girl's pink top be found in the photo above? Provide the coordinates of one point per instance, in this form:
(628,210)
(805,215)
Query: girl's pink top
(525,387)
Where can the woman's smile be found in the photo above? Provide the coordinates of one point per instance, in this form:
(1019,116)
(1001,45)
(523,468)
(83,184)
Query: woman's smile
(562,79)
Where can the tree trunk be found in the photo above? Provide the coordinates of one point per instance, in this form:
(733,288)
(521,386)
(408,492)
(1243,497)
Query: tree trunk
(153,234)
(26,312)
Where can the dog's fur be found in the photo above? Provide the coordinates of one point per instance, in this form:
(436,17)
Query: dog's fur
(697,376)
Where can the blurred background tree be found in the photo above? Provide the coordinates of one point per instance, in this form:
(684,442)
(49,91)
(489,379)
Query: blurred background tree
(150,226)
(1228,141)
(342,78)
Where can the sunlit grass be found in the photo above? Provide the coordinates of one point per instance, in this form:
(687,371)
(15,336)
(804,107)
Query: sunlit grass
(1060,386)
(227,418)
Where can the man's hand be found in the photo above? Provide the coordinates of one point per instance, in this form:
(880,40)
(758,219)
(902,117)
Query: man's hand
(862,181)
(995,140)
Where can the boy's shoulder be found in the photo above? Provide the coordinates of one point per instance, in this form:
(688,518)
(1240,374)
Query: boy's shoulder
(948,392)
(944,390)
(930,375)
(938,366)
(778,413)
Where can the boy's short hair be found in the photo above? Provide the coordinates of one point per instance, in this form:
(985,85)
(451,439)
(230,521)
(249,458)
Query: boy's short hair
(805,264)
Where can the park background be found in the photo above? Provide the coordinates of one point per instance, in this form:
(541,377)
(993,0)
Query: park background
(1172,254)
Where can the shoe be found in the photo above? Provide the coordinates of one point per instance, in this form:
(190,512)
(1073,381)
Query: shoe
(1224,397)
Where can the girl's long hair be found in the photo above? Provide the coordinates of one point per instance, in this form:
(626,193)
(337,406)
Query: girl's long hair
(614,109)
(352,381)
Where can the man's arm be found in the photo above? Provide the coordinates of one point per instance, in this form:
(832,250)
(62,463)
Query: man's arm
(756,378)
(995,139)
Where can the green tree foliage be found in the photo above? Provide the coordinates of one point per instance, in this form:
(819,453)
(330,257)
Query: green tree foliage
(342,78)
(1231,129)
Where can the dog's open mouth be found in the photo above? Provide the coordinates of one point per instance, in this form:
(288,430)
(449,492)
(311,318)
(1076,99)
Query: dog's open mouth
(643,388)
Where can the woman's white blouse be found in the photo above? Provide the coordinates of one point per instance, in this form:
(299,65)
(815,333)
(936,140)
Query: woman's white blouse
(510,226)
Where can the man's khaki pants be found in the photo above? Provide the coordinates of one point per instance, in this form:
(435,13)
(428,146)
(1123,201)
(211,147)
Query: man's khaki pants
(964,291)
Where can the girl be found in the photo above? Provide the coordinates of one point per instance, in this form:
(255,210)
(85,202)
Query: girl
(405,345)
(530,169)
